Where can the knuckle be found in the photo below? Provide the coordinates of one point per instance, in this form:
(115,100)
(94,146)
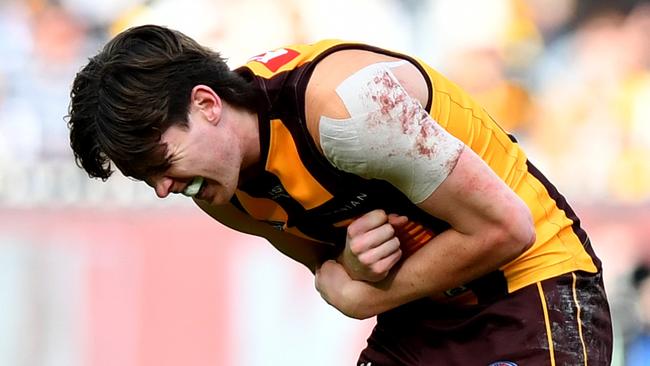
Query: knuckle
(381,214)
(355,251)
(390,245)
(352,230)
(378,268)
(357,247)
(365,260)
(397,256)
(390,230)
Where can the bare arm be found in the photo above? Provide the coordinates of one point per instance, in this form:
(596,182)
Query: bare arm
(490,224)
(310,253)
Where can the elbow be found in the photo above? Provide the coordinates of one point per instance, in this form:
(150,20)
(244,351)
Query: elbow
(363,312)
(358,306)
(522,232)
(358,313)
(347,306)
(527,233)
(517,232)
(523,239)
(363,316)
(357,310)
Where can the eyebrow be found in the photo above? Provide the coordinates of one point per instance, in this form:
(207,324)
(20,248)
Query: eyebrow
(163,164)
(152,165)
(158,169)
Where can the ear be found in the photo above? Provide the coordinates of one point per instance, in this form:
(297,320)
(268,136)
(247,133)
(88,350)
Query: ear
(204,100)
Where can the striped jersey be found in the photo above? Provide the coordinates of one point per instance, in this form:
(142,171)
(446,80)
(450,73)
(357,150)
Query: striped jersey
(298,191)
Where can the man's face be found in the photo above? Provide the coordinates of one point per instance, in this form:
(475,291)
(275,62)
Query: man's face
(207,149)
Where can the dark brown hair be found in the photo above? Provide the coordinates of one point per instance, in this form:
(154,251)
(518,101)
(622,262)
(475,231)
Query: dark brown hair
(135,88)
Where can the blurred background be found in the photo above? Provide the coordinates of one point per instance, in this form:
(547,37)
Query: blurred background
(98,273)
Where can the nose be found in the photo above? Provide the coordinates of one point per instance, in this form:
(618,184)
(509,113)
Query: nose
(163,187)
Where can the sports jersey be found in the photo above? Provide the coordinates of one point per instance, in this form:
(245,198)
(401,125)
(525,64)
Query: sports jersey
(296,189)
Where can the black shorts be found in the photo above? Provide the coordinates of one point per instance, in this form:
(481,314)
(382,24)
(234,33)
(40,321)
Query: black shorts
(563,321)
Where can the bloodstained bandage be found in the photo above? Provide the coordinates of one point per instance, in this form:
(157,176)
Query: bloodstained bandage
(389,135)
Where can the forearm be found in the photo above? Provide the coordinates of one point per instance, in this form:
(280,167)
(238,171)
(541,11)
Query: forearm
(451,259)
(310,253)
(489,226)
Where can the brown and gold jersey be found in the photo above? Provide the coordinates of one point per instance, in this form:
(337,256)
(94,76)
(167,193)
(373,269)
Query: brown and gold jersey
(297,190)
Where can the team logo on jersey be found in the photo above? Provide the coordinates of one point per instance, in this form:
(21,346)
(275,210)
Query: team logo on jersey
(503,363)
(275,59)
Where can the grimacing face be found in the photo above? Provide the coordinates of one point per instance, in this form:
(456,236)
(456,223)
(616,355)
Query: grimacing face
(208,148)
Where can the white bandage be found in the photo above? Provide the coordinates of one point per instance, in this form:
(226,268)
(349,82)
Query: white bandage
(389,135)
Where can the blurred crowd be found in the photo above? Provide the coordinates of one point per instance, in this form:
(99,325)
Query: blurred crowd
(569,78)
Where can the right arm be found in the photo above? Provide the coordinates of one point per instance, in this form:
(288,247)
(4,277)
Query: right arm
(308,252)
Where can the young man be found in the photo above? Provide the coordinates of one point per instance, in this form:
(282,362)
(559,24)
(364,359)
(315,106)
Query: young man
(402,195)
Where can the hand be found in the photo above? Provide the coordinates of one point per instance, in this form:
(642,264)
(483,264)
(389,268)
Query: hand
(371,247)
(331,281)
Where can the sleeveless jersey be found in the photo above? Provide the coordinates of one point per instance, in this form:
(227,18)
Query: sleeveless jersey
(297,190)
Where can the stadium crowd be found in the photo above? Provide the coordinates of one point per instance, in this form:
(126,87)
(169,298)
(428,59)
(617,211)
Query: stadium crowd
(569,78)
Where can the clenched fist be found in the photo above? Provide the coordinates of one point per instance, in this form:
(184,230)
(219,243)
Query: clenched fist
(371,247)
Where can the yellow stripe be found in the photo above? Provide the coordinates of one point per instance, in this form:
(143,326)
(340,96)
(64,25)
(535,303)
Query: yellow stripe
(575,299)
(549,337)
(284,161)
